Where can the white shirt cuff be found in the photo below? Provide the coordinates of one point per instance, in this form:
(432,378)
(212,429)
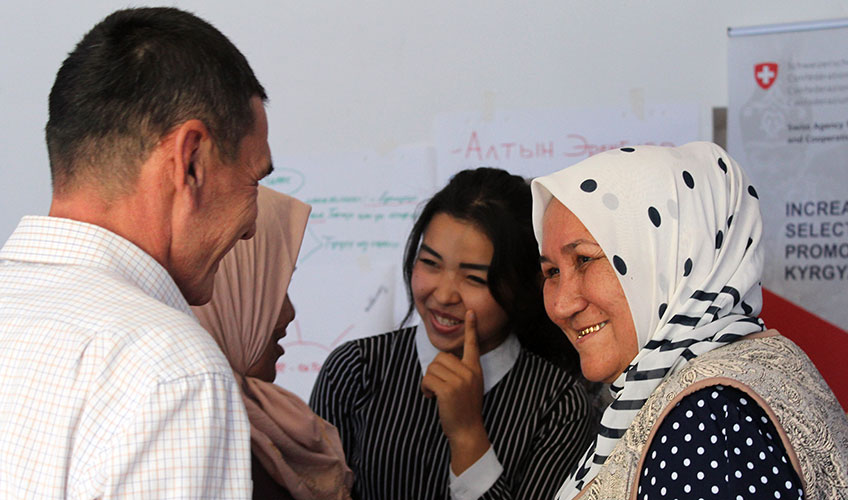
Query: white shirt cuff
(477,479)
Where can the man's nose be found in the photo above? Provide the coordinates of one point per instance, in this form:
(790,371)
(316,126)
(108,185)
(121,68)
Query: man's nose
(250,232)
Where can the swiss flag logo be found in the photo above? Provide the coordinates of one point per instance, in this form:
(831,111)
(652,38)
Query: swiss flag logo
(765,74)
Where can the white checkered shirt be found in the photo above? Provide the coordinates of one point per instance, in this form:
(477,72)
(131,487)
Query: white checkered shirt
(109,388)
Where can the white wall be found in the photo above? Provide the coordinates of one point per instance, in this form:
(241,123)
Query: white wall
(372,74)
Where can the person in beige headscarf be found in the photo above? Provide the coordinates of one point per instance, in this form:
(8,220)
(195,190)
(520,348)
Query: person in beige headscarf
(295,453)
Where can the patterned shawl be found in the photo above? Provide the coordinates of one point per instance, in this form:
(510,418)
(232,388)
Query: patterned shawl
(682,228)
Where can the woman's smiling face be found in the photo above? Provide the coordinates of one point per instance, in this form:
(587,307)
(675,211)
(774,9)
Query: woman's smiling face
(584,297)
(450,276)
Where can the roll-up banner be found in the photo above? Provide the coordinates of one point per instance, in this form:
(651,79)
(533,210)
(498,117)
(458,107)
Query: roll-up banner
(787,124)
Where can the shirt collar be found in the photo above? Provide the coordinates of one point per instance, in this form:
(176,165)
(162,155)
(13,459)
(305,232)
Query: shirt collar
(495,363)
(54,240)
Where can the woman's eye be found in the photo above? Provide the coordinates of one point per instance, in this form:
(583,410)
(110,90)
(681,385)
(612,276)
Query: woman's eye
(478,280)
(550,272)
(585,259)
(427,262)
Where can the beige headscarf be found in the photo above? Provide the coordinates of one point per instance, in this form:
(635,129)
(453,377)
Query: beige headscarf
(299,450)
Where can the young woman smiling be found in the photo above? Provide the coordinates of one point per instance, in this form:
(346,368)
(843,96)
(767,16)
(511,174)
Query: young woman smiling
(461,406)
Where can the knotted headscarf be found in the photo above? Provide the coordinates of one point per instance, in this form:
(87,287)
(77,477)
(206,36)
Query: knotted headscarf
(682,229)
(299,450)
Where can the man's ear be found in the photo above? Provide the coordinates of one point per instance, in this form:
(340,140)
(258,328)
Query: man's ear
(191,153)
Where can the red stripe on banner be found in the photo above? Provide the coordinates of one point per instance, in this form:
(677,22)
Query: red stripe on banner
(825,343)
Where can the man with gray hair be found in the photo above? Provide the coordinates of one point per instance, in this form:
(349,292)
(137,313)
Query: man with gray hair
(109,388)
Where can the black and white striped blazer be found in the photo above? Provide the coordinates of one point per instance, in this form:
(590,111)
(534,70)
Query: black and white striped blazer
(537,418)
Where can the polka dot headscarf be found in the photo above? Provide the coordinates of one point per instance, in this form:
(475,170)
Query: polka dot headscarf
(682,229)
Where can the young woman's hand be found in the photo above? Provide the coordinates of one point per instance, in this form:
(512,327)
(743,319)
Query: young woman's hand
(457,385)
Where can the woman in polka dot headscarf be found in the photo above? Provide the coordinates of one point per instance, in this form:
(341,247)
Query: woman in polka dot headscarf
(652,265)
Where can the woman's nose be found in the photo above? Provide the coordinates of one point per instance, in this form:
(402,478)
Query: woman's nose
(446,291)
(563,301)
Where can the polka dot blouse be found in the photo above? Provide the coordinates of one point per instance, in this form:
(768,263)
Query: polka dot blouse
(718,443)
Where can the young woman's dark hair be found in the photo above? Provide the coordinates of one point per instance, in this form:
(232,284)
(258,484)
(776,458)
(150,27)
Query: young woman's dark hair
(499,204)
